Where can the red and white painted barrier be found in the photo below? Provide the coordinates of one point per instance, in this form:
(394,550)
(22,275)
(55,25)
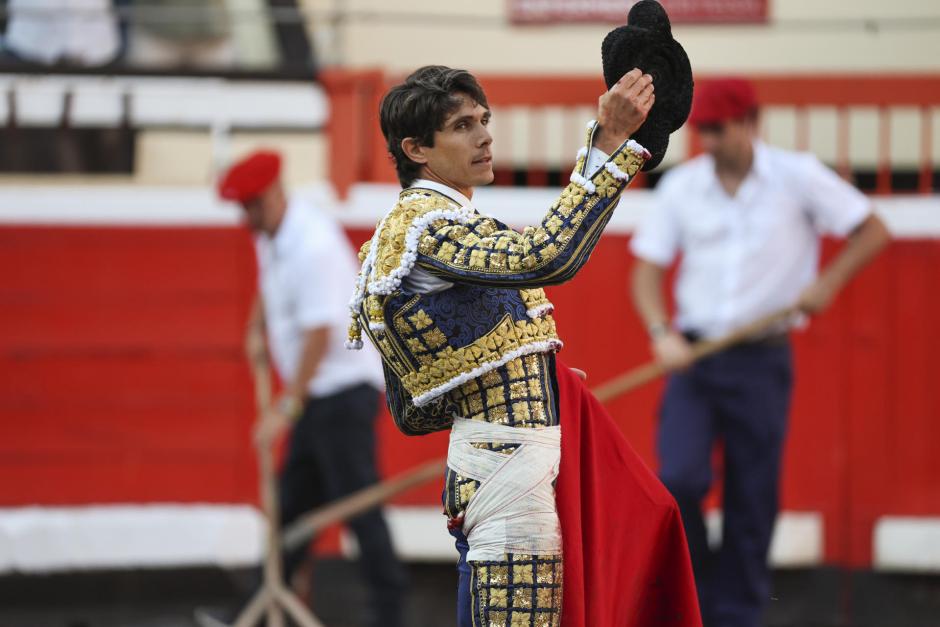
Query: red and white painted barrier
(127,407)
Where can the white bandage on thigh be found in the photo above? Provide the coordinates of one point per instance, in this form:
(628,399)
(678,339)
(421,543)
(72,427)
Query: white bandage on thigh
(513,510)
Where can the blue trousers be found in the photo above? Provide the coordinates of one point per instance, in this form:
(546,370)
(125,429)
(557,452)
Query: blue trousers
(464,574)
(741,398)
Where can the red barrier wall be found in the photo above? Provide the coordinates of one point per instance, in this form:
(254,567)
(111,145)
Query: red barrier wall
(123,378)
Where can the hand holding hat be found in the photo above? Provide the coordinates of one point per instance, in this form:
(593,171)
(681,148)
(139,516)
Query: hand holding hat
(646,43)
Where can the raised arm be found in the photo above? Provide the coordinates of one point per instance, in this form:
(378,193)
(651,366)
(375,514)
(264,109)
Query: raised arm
(481,250)
(484,251)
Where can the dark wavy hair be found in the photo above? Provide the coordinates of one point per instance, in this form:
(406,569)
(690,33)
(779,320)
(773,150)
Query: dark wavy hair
(418,107)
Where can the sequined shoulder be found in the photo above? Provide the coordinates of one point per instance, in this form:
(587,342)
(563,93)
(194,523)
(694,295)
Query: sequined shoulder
(393,249)
(395,242)
(364,250)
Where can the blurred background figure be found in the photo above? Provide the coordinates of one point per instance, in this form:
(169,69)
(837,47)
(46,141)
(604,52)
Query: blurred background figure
(330,400)
(747,220)
(180,34)
(218,35)
(74,32)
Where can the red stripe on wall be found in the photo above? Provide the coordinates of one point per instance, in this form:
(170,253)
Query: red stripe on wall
(123,379)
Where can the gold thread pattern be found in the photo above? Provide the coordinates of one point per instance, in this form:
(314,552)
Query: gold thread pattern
(450,363)
(521,591)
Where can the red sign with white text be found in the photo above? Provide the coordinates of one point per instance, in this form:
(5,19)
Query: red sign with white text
(680,11)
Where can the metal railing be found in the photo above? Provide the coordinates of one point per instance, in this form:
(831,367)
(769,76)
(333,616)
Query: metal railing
(879,127)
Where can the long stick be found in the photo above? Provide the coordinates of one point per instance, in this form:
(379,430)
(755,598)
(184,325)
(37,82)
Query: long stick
(272,559)
(360,501)
(273,596)
(653,370)
(372,496)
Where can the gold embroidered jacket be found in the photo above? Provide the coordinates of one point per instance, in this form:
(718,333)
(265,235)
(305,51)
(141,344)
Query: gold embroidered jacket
(494,314)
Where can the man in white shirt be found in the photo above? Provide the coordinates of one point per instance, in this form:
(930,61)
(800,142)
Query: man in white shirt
(331,395)
(747,219)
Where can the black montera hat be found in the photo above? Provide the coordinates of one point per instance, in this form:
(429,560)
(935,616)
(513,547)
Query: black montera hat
(646,42)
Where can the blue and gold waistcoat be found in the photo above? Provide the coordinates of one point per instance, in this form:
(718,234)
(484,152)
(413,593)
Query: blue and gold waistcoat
(482,347)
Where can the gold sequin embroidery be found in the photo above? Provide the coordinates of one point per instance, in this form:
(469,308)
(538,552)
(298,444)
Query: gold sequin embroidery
(451,362)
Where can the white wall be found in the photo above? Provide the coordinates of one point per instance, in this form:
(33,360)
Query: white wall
(800,36)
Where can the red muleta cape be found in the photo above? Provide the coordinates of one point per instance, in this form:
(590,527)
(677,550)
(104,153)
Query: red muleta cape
(625,553)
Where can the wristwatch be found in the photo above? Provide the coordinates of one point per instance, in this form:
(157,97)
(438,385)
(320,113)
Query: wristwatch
(290,406)
(657,330)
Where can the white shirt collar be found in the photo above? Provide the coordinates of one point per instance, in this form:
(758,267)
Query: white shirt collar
(760,167)
(280,241)
(450,192)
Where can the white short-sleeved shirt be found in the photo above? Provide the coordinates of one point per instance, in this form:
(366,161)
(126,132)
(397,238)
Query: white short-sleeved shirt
(747,256)
(305,274)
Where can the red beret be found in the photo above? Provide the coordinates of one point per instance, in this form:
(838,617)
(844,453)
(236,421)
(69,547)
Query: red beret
(722,99)
(250,176)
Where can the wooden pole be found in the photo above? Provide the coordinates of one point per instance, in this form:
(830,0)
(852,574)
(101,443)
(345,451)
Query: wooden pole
(359,502)
(653,370)
(362,500)
(273,597)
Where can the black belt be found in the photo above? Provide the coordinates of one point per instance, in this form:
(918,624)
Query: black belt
(780,338)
